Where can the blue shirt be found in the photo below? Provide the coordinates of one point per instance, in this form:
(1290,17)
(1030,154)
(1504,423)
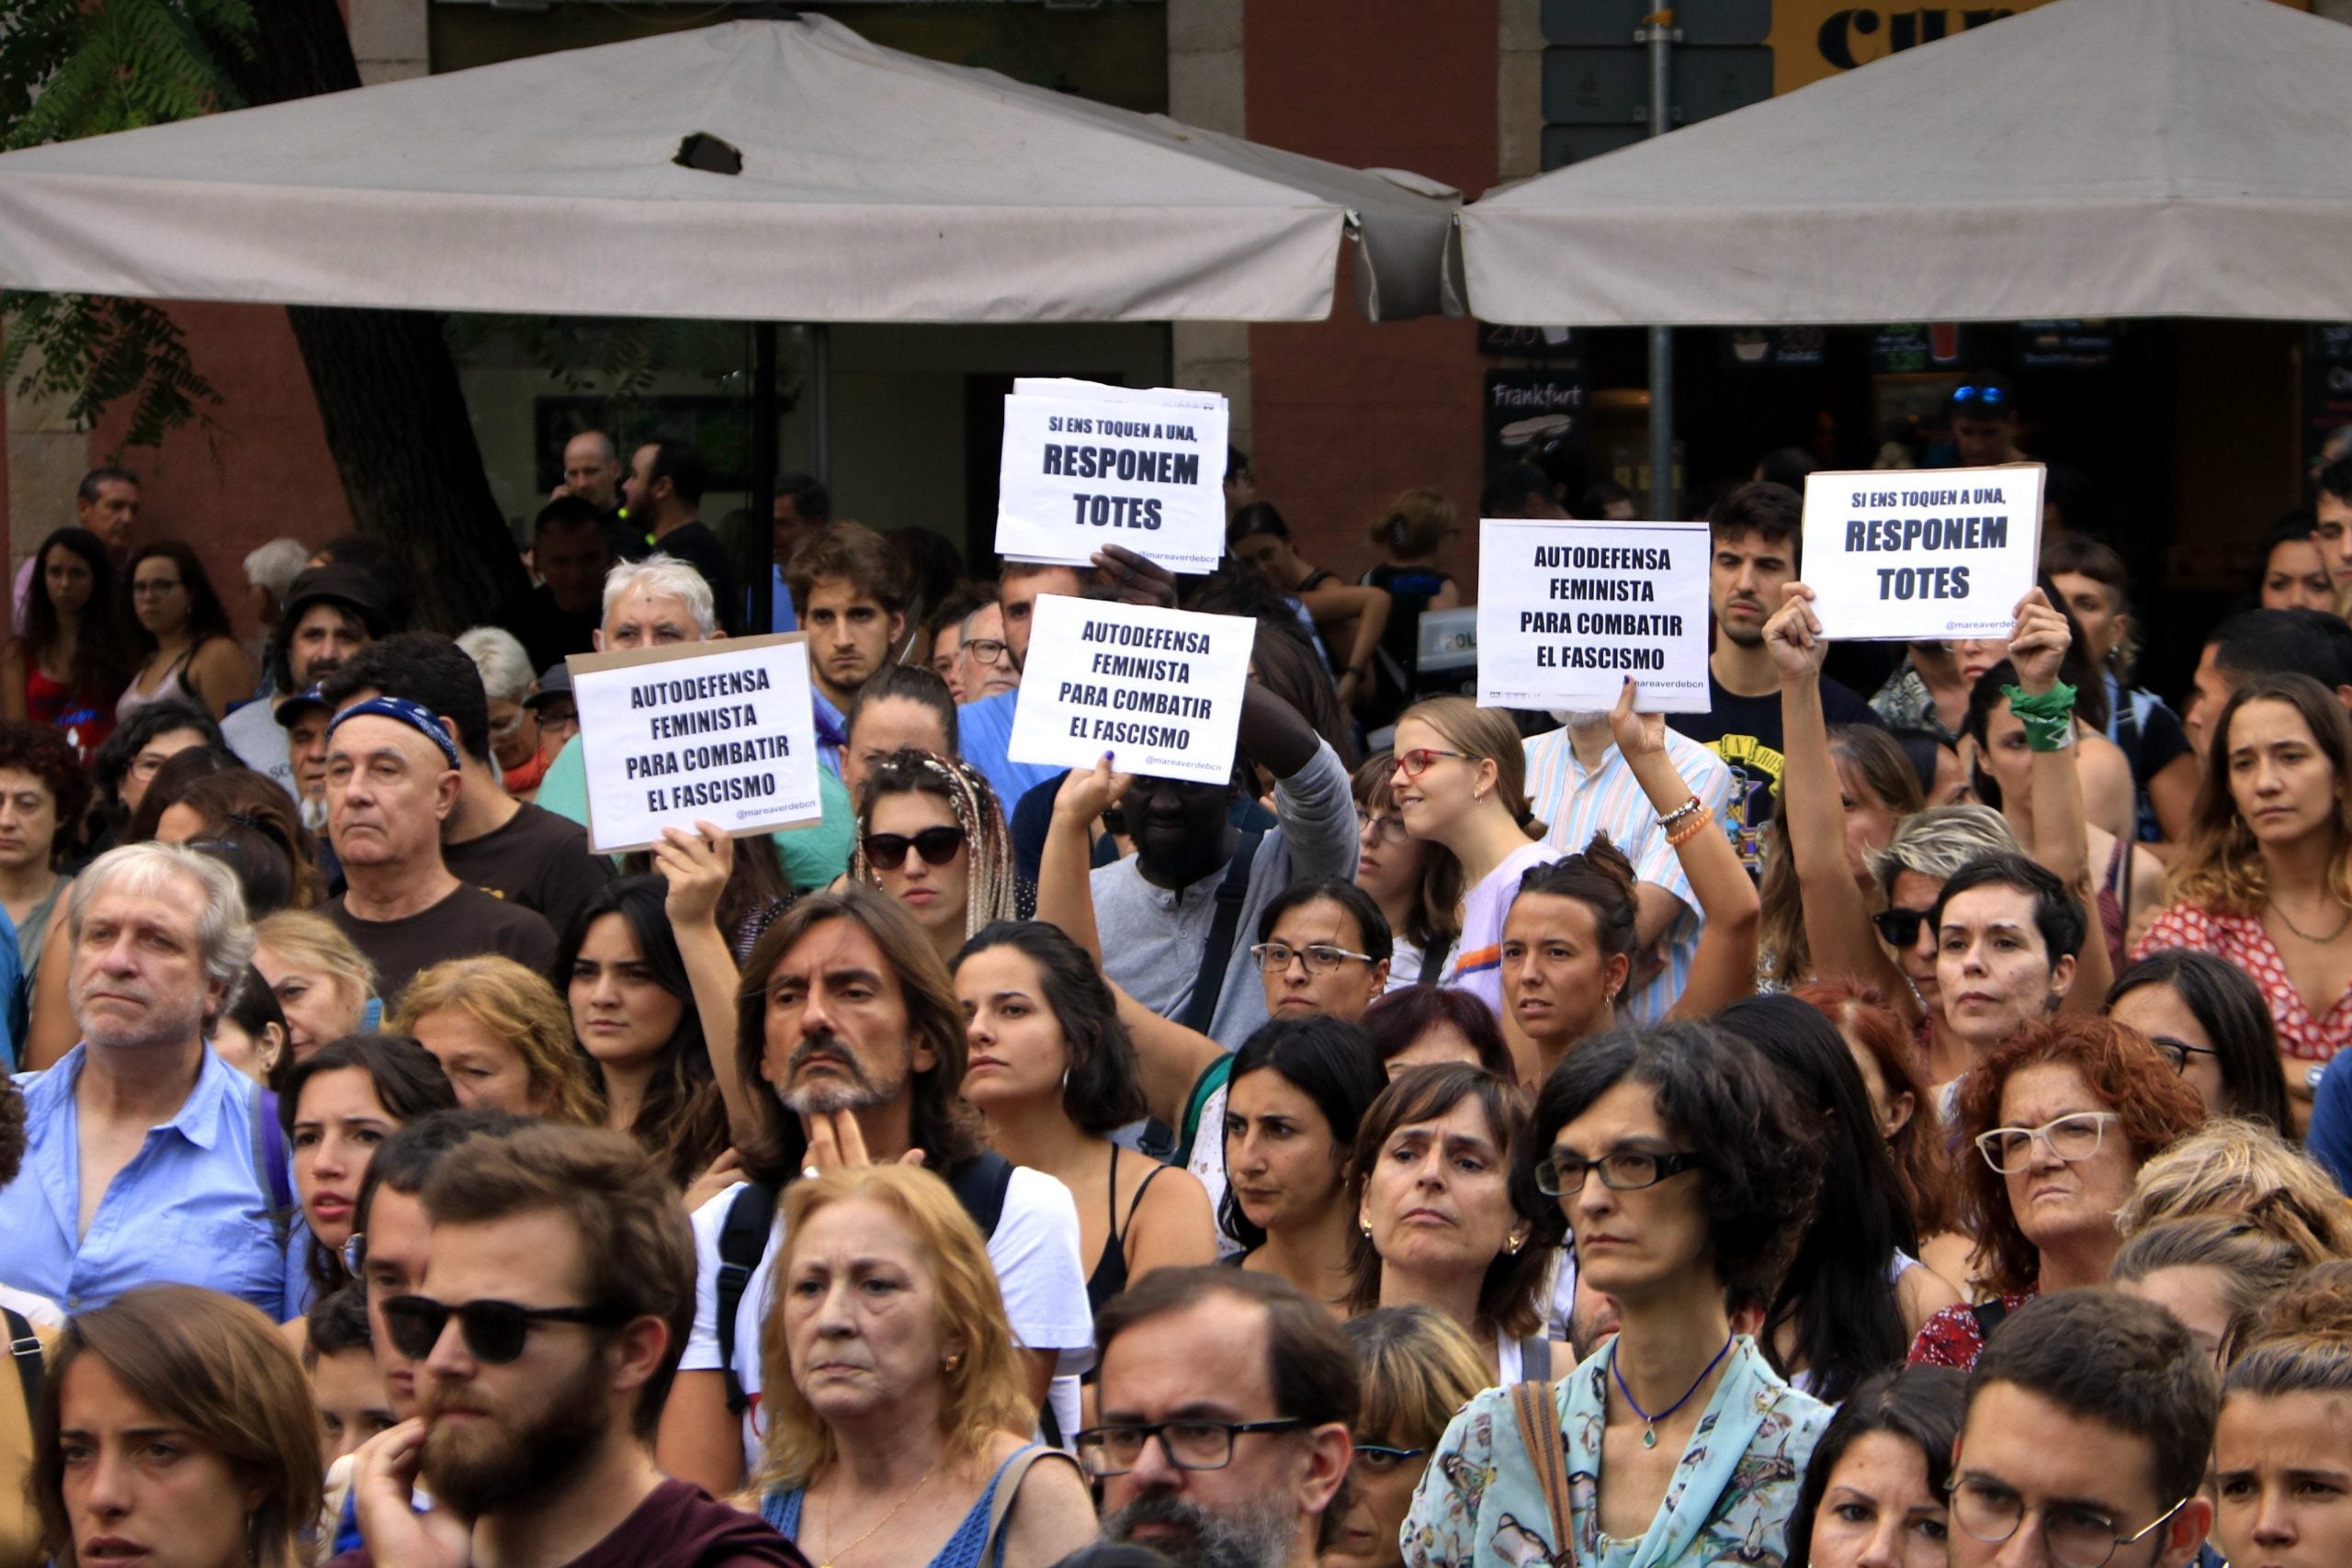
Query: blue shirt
(188,1209)
(983,730)
(2330,1139)
(833,729)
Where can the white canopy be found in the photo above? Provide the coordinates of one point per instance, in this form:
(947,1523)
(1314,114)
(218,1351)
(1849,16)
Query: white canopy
(2089,158)
(876,187)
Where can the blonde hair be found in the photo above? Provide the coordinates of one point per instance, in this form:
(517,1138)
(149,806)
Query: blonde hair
(983,1393)
(1486,734)
(1413,524)
(1417,1367)
(314,941)
(2243,1168)
(522,1009)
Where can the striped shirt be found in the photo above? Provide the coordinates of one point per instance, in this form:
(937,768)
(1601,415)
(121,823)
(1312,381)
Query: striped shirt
(1575,803)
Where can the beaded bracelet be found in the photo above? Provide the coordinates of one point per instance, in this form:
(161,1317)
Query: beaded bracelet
(1679,813)
(1690,829)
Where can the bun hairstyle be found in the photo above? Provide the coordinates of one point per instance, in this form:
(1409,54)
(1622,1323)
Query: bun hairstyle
(1603,879)
(1413,524)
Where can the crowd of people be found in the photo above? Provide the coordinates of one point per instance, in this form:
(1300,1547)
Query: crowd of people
(1887,1119)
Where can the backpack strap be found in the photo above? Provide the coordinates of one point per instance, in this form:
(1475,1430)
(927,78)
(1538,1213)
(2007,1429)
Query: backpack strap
(269,1143)
(1988,1317)
(24,1349)
(743,1241)
(981,1184)
(1216,954)
(1539,1432)
(1008,1492)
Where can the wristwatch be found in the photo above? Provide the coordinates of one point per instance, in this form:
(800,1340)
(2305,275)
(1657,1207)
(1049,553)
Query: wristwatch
(2311,1078)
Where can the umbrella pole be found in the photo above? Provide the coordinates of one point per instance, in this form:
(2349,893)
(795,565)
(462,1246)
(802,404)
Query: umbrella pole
(759,527)
(820,377)
(1658,31)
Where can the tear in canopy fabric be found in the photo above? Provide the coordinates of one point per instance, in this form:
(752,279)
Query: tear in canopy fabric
(2088,158)
(874,187)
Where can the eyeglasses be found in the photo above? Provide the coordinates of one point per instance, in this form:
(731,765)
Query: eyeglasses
(1379,1458)
(1899,925)
(2075,1536)
(984,650)
(494,1331)
(354,1254)
(1320,957)
(1106,1452)
(887,851)
(1984,397)
(1389,826)
(1415,763)
(1626,1171)
(147,764)
(2070,1138)
(2177,1052)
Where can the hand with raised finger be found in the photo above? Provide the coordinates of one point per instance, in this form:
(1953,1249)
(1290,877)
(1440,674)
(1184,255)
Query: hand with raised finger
(1638,735)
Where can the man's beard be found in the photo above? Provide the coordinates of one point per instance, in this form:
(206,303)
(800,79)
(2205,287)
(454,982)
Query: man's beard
(1257,1532)
(476,1467)
(829,1095)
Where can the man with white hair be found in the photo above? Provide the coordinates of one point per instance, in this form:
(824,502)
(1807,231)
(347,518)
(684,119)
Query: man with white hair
(655,602)
(146,1156)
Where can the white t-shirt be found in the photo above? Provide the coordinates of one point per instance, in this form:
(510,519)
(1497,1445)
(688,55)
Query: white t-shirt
(1034,1251)
(1476,965)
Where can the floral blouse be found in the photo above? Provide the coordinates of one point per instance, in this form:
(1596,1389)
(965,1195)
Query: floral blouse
(2241,942)
(1732,1492)
(1955,1336)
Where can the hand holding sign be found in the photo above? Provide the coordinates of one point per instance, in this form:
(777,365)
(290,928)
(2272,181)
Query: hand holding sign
(1921,556)
(695,865)
(1162,688)
(1569,609)
(1638,735)
(1135,579)
(1088,792)
(1081,460)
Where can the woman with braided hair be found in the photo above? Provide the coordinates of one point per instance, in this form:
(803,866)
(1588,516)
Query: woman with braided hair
(931,834)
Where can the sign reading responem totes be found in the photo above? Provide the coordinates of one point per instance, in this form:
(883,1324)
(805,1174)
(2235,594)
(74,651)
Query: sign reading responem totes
(720,732)
(1921,555)
(1086,465)
(1160,690)
(1566,611)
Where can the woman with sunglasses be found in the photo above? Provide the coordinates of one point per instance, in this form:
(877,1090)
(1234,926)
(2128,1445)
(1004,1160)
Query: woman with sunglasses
(1416,1368)
(1683,1170)
(2058,1121)
(1431,1178)
(2210,1019)
(1417,883)
(190,655)
(336,1105)
(930,834)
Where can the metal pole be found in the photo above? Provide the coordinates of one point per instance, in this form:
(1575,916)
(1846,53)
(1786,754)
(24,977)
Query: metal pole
(1657,31)
(821,422)
(758,547)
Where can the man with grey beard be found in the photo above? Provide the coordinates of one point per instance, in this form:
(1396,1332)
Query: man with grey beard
(1227,1402)
(849,1050)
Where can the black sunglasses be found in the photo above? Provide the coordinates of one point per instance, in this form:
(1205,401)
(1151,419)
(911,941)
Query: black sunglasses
(1899,925)
(495,1331)
(887,851)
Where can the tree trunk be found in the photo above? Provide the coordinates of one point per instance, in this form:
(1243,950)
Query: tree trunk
(387,388)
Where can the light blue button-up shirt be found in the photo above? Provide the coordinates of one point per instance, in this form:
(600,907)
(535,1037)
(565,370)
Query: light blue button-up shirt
(188,1209)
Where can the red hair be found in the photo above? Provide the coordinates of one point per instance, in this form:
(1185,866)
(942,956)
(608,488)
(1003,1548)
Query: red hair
(1862,1016)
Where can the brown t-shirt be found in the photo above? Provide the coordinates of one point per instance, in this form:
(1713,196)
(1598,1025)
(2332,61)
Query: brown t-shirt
(535,859)
(677,1525)
(465,923)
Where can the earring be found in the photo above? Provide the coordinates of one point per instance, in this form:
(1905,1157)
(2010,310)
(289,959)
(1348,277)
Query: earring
(1366,1226)
(1065,1080)
(949,1363)
(1510,1248)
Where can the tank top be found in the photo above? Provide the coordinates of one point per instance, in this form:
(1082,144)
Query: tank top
(171,688)
(51,702)
(964,1549)
(1110,1276)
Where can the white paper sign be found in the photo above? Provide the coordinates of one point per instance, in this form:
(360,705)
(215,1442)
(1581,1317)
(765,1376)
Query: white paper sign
(1921,555)
(1160,690)
(1566,611)
(719,732)
(1085,466)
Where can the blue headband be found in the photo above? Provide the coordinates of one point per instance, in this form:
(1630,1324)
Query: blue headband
(416,715)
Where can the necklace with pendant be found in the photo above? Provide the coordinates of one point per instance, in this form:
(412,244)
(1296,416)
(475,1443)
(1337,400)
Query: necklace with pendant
(1649,1422)
(887,1517)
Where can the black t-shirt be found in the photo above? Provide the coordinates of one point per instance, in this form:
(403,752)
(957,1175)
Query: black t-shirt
(547,634)
(1745,733)
(466,924)
(677,1525)
(536,859)
(695,545)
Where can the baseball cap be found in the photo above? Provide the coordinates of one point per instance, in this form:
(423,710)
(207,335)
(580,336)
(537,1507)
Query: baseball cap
(554,682)
(342,583)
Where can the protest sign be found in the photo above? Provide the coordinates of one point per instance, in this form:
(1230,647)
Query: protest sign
(720,732)
(1085,466)
(1566,611)
(1160,690)
(1920,556)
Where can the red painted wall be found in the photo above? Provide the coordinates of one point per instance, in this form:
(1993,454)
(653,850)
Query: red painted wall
(1350,412)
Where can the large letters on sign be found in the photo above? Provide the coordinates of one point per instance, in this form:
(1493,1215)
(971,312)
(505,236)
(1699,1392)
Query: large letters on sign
(1924,556)
(1567,611)
(1086,466)
(1160,690)
(720,732)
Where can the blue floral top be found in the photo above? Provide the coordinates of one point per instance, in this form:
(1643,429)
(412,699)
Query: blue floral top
(1480,1503)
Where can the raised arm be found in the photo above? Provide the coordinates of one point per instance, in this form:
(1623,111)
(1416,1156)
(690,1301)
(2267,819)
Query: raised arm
(2061,840)
(1723,970)
(695,865)
(1813,814)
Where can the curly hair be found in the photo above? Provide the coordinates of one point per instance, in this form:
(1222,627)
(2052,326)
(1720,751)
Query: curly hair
(1922,1164)
(2221,866)
(2124,1072)
(47,755)
(989,889)
(1758,1162)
